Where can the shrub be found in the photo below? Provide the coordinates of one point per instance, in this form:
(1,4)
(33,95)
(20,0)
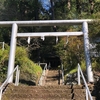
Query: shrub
(3,64)
(29,70)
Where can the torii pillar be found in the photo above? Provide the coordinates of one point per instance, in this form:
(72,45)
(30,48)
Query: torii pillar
(12,52)
(87,54)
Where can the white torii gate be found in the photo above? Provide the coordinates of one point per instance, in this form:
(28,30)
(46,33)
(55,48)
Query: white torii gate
(15,34)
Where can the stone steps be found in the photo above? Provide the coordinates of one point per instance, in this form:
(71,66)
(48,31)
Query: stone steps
(44,93)
(52,78)
(41,95)
(50,91)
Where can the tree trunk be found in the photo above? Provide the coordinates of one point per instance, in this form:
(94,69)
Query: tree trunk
(91,6)
(69,4)
(78,6)
(36,10)
(52,10)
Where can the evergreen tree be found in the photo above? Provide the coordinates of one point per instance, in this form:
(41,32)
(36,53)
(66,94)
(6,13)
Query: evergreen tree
(58,10)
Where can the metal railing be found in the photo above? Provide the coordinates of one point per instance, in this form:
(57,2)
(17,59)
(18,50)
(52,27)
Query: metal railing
(88,94)
(6,81)
(43,76)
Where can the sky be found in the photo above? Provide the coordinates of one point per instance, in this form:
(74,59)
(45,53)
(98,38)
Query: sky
(46,4)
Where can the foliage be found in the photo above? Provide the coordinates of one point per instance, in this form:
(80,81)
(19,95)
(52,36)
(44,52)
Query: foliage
(96,64)
(94,29)
(94,35)
(21,52)
(3,63)
(5,33)
(71,53)
(29,70)
(20,10)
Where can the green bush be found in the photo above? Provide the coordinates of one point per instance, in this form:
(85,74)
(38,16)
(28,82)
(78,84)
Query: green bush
(96,64)
(29,71)
(3,64)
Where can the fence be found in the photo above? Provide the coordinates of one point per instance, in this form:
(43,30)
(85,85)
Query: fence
(43,76)
(6,81)
(88,94)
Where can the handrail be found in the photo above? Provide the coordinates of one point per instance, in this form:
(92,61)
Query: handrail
(6,81)
(86,86)
(42,78)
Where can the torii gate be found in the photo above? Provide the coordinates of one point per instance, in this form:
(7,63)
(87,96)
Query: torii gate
(15,34)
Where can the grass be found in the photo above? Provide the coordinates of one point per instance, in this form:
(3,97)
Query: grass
(29,70)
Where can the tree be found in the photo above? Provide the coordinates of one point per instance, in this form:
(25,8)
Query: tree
(70,51)
(21,10)
(58,9)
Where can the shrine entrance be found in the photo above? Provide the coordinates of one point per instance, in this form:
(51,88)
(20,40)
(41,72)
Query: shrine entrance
(15,34)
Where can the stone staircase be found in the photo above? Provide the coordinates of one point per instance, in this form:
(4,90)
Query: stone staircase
(53,77)
(44,92)
(52,90)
